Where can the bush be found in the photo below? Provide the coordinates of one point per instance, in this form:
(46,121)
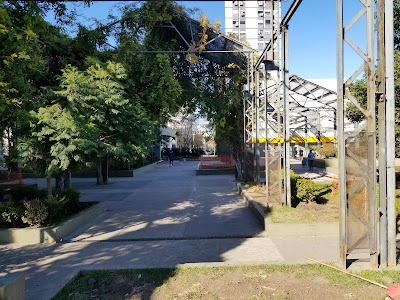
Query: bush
(67,201)
(41,210)
(11,213)
(307,190)
(20,193)
(36,212)
(327,150)
(294,177)
(312,191)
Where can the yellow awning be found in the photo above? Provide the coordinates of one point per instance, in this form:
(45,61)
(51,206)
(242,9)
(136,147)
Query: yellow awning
(298,140)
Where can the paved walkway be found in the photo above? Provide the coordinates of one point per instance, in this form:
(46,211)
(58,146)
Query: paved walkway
(162,217)
(318,174)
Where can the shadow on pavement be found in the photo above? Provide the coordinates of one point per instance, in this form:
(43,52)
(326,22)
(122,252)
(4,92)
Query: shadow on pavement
(164,218)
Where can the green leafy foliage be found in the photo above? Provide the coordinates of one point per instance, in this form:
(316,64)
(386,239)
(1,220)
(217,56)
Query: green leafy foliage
(19,193)
(36,212)
(94,118)
(359,90)
(307,190)
(294,177)
(10,212)
(30,205)
(62,203)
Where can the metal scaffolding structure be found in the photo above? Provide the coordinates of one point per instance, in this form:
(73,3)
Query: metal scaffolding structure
(357,150)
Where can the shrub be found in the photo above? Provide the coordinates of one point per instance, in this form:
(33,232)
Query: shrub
(36,212)
(22,192)
(64,202)
(307,190)
(11,213)
(327,150)
(294,177)
(54,208)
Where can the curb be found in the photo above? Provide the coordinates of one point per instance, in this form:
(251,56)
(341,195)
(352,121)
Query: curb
(286,229)
(221,171)
(50,234)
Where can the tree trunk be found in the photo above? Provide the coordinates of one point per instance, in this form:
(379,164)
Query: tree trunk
(49,190)
(67,179)
(104,169)
(59,182)
(99,173)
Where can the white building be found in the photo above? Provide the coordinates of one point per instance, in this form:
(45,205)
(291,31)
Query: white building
(250,21)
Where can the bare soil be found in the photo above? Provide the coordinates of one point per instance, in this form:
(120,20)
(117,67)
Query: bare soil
(299,282)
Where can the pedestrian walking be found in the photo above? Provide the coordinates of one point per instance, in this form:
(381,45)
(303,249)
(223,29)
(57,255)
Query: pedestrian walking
(311,157)
(171,157)
(304,162)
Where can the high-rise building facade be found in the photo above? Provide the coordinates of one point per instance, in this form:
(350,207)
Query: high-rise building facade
(250,21)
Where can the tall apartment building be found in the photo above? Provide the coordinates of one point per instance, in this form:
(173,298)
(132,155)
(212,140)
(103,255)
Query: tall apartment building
(250,21)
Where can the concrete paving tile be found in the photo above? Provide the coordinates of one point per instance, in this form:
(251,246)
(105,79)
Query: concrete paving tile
(162,217)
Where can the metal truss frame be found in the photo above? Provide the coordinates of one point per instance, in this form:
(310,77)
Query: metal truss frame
(387,248)
(368,178)
(308,101)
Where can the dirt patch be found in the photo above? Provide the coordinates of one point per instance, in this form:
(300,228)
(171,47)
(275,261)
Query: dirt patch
(261,282)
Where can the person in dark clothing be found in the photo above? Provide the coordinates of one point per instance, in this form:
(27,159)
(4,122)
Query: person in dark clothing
(171,157)
(311,157)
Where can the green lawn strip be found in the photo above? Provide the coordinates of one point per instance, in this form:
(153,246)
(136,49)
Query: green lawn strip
(161,277)
(285,214)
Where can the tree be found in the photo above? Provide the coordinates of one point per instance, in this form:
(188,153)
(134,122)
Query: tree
(120,125)
(32,52)
(93,120)
(359,91)
(57,141)
(114,108)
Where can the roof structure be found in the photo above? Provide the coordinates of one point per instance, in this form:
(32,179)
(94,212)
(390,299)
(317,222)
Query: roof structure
(219,48)
(308,101)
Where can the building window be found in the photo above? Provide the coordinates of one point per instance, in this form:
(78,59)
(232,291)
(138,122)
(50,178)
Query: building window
(260,13)
(260,3)
(235,24)
(243,13)
(242,21)
(241,3)
(242,35)
(267,22)
(235,3)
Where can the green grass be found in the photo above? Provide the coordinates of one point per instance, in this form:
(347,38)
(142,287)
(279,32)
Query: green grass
(384,277)
(139,276)
(161,277)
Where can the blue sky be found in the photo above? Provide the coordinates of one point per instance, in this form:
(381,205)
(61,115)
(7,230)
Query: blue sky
(312,32)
